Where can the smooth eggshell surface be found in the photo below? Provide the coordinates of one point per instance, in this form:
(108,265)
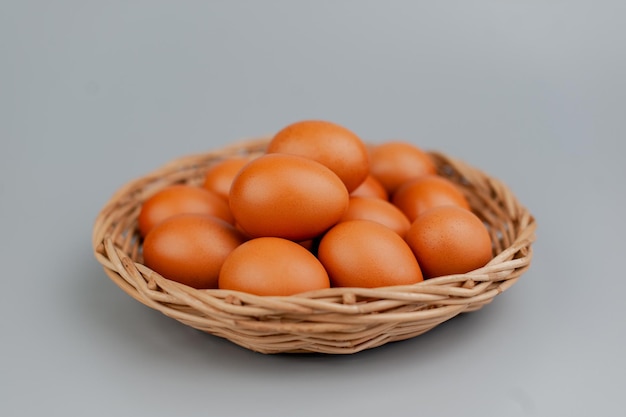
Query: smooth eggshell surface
(362,253)
(328,143)
(272,266)
(287,196)
(190,248)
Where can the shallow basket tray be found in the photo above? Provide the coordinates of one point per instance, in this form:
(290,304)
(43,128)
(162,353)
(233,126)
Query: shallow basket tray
(335,320)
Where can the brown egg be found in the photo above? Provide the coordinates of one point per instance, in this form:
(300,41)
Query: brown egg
(287,196)
(179,199)
(272,266)
(394,163)
(416,196)
(190,248)
(328,143)
(449,240)
(219,177)
(362,253)
(371,187)
(377,210)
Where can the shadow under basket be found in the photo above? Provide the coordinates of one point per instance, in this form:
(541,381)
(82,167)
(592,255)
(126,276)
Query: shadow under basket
(335,320)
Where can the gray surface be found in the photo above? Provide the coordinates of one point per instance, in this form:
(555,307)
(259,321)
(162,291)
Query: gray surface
(95,94)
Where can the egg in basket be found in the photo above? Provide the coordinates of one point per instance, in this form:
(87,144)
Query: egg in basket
(313,241)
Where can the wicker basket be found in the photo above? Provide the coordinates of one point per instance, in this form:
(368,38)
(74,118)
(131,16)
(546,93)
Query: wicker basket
(335,320)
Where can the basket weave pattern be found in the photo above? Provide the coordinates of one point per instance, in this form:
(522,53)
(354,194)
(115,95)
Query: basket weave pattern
(335,320)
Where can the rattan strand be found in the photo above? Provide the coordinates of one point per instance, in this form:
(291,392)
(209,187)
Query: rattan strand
(336,320)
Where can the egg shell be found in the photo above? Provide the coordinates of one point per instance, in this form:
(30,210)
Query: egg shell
(449,240)
(418,195)
(330,144)
(395,162)
(272,266)
(287,196)
(219,177)
(370,187)
(180,199)
(190,248)
(377,210)
(362,253)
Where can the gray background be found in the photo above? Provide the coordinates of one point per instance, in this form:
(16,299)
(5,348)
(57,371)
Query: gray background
(94,94)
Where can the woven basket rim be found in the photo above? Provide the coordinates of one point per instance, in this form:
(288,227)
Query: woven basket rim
(114,241)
